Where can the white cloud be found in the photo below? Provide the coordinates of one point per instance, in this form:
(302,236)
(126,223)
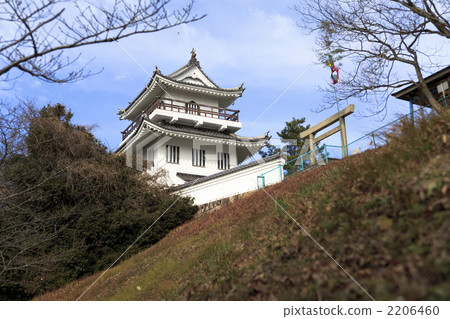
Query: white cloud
(265,47)
(36,83)
(256,42)
(120,77)
(259,48)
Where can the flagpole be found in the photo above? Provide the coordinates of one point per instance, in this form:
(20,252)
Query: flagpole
(335,95)
(334,80)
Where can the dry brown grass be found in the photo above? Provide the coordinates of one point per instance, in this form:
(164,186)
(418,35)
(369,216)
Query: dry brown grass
(382,214)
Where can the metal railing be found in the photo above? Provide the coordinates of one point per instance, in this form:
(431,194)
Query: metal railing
(302,163)
(183,107)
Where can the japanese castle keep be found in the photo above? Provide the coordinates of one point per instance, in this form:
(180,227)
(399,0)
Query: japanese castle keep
(182,123)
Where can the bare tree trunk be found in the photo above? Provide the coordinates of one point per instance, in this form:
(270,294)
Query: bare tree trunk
(379,38)
(434,104)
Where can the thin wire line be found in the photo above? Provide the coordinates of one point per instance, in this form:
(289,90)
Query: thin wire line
(282,94)
(293,83)
(265,111)
(137,239)
(321,247)
(306,232)
(138,64)
(140,236)
(309,235)
(129,55)
(313,239)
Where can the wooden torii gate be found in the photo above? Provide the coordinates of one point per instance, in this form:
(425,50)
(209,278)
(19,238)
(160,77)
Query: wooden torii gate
(339,116)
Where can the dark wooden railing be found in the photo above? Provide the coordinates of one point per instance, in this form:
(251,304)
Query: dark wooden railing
(183,107)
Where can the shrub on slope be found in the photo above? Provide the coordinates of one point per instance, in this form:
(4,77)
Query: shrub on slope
(383,215)
(69,207)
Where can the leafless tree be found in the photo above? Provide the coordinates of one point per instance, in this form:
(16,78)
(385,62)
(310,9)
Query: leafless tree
(436,12)
(59,186)
(378,37)
(43,38)
(23,231)
(36,35)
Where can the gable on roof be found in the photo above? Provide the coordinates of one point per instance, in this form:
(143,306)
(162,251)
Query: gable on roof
(192,73)
(195,77)
(189,77)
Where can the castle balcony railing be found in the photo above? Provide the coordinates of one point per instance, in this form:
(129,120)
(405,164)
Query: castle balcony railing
(185,110)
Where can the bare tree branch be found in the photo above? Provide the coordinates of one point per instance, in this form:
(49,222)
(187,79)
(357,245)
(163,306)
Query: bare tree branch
(47,29)
(377,38)
(436,12)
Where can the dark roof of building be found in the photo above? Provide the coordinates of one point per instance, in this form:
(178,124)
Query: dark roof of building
(229,171)
(413,93)
(189,177)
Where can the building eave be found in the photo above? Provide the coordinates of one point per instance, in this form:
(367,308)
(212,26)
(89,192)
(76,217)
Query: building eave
(193,63)
(231,171)
(203,134)
(192,133)
(132,105)
(238,90)
(412,91)
(159,82)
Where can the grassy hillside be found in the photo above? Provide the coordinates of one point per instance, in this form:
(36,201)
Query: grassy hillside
(383,215)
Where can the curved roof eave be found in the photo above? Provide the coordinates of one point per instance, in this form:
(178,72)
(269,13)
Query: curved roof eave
(231,170)
(234,90)
(190,132)
(157,76)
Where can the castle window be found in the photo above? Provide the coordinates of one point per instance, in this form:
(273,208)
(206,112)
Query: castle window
(198,157)
(172,154)
(223,160)
(192,108)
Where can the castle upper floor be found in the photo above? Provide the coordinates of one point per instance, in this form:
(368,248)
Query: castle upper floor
(187,97)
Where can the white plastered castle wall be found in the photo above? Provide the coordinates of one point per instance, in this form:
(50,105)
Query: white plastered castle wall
(156,152)
(234,183)
(184,96)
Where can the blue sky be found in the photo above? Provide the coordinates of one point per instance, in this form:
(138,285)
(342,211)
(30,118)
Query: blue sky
(255,42)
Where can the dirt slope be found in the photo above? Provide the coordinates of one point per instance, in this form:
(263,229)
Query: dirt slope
(383,215)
